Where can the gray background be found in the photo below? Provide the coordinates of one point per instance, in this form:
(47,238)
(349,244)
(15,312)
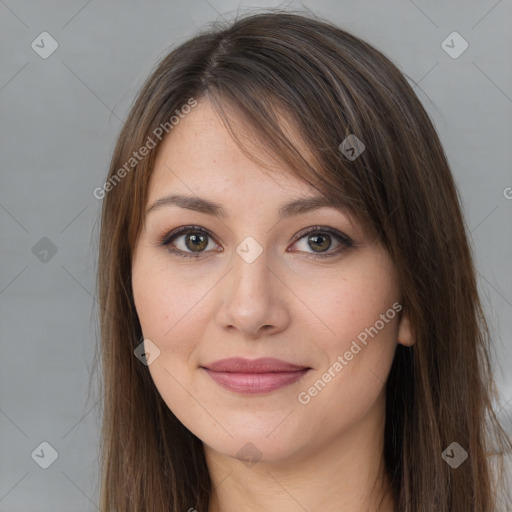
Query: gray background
(60,117)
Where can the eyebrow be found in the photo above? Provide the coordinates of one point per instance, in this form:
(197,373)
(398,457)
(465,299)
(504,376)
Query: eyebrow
(293,207)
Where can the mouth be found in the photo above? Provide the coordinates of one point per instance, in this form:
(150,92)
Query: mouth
(255,376)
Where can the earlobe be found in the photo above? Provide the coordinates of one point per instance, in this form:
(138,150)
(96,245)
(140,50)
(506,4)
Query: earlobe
(405,336)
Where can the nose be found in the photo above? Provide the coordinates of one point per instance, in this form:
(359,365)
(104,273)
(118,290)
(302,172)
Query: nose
(254,299)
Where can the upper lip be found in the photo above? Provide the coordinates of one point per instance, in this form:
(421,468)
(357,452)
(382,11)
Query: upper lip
(262,365)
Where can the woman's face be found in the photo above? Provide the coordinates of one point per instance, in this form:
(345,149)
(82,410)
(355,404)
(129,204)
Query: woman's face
(255,285)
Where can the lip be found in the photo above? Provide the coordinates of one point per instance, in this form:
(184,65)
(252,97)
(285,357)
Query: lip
(261,365)
(254,376)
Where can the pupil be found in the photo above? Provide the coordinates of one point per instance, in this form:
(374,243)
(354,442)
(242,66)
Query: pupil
(315,239)
(198,241)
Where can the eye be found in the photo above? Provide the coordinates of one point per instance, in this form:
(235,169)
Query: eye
(319,240)
(196,240)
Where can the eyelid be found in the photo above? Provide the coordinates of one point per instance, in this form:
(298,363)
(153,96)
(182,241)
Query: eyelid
(168,237)
(344,240)
(324,229)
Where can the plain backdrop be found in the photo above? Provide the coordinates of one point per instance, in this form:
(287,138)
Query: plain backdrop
(60,116)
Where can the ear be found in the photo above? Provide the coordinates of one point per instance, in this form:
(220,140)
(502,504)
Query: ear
(405,336)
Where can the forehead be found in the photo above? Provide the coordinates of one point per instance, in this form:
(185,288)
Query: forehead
(200,155)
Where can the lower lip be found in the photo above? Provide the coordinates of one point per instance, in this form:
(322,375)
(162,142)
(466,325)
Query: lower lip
(252,383)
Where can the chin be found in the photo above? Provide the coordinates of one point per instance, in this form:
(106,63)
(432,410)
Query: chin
(269,442)
(256,450)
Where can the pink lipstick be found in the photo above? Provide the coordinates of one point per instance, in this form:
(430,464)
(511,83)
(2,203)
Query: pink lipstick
(254,376)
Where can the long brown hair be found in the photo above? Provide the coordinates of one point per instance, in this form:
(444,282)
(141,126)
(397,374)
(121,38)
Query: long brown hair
(329,84)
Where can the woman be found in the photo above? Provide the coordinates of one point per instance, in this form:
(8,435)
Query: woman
(289,312)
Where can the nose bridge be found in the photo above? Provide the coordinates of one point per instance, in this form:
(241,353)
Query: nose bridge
(251,300)
(250,270)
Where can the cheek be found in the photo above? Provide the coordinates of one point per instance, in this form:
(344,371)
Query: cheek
(168,306)
(168,310)
(350,303)
(358,357)
(360,327)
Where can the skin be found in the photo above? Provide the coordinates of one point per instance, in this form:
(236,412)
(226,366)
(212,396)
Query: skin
(323,455)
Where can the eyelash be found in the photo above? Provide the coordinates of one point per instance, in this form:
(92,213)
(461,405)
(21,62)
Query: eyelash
(166,239)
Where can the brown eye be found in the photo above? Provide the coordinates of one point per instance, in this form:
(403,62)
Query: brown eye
(196,242)
(319,243)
